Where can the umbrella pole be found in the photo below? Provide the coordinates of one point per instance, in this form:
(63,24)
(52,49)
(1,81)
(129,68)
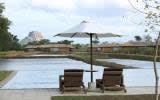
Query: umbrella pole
(91,57)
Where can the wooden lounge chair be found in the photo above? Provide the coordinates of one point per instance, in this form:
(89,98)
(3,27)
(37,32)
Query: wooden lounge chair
(112,80)
(71,80)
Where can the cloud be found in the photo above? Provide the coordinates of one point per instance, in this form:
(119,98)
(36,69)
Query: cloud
(92,3)
(94,8)
(61,5)
(102,3)
(53,16)
(73,4)
(82,7)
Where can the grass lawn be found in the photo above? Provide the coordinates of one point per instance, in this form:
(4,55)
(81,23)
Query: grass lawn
(4,74)
(13,54)
(85,57)
(107,97)
(132,56)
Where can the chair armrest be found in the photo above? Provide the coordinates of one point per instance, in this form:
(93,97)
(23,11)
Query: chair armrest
(83,85)
(61,77)
(122,81)
(98,83)
(84,88)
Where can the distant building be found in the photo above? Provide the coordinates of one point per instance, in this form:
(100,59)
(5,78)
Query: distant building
(50,48)
(32,36)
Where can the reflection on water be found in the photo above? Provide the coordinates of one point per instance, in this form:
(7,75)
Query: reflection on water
(44,72)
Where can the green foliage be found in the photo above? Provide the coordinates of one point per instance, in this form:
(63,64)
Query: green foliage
(43,41)
(33,43)
(152,12)
(138,38)
(1,8)
(132,56)
(96,41)
(4,74)
(80,48)
(65,42)
(148,39)
(85,57)
(7,40)
(14,45)
(141,51)
(4,34)
(14,54)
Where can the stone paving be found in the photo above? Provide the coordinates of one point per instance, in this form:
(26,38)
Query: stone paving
(45,94)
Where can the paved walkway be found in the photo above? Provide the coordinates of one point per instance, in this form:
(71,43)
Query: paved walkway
(45,94)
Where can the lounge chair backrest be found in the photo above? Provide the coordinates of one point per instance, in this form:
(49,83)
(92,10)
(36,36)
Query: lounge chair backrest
(112,77)
(112,69)
(73,70)
(73,78)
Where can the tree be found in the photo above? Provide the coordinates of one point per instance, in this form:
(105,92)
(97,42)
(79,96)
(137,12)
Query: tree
(138,38)
(14,45)
(1,8)
(106,42)
(65,42)
(5,36)
(8,41)
(151,13)
(148,39)
(96,41)
(33,43)
(77,46)
(43,41)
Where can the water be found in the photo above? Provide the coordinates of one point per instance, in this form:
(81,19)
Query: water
(134,63)
(44,72)
(143,76)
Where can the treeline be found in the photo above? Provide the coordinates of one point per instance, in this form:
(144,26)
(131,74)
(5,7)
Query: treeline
(8,41)
(46,41)
(140,50)
(148,50)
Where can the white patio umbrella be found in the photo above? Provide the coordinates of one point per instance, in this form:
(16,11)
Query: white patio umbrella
(88,30)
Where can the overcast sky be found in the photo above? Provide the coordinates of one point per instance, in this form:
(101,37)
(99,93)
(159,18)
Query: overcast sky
(53,16)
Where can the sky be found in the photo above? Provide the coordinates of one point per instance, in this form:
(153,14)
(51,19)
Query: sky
(51,17)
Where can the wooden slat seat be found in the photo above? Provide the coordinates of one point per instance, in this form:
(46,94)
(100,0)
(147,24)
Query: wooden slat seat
(112,80)
(71,80)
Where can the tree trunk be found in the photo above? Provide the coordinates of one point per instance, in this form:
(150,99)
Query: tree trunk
(155,67)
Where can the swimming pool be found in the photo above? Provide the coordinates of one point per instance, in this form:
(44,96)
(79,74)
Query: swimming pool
(143,76)
(44,72)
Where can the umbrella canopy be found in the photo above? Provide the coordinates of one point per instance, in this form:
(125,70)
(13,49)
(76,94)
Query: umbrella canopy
(85,28)
(88,30)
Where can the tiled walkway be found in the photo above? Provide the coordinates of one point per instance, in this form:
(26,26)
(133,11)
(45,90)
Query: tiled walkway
(45,94)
